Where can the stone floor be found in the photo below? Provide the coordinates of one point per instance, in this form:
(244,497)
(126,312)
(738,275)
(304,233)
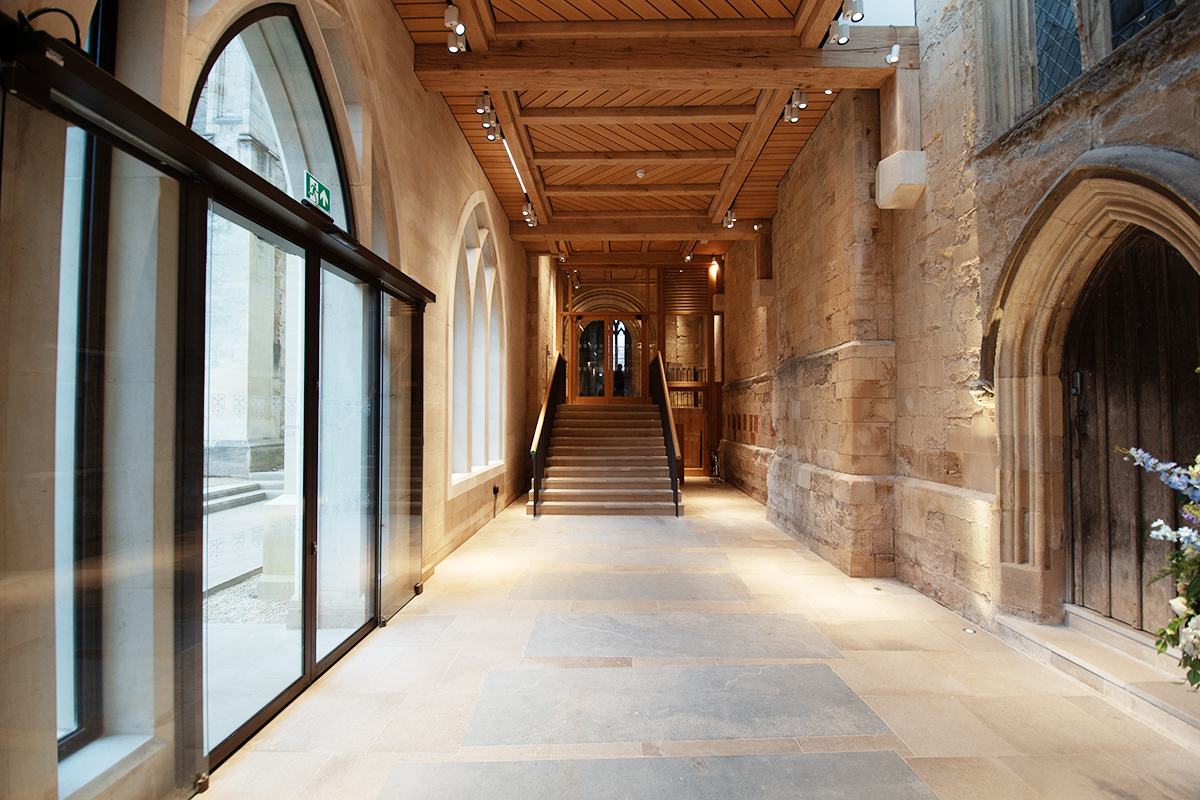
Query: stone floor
(706,657)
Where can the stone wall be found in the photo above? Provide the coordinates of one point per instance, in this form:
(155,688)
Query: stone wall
(834,386)
(747,429)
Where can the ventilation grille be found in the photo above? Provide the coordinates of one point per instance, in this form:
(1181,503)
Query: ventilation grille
(687,290)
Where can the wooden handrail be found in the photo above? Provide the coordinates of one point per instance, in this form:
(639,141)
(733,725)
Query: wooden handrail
(659,393)
(556,392)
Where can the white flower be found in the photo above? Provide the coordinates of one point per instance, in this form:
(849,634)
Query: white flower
(1189,638)
(1179,606)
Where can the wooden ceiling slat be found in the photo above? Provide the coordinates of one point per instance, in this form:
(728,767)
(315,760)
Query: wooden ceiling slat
(634,157)
(642,115)
(622,189)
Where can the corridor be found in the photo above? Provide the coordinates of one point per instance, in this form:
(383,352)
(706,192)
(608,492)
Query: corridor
(710,656)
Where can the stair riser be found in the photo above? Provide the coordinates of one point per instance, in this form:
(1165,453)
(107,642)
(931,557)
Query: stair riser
(226,503)
(231,490)
(600,496)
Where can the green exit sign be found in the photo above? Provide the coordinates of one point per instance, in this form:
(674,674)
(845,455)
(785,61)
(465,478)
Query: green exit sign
(316,192)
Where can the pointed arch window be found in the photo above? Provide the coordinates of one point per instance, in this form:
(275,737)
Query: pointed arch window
(477,353)
(262,103)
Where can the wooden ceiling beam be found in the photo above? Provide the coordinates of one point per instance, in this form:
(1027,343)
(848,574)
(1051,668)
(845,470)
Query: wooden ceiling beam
(635,230)
(598,157)
(663,115)
(644,29)
(622,64)
(749,147)
(812,20)
(665,213)
(618,260)
(638,189)
(481,23)
(508,112)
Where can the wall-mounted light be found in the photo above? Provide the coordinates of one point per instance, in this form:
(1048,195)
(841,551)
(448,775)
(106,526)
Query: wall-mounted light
(893,56)
(730,218)
(839,31)
(856,10)
(453,22)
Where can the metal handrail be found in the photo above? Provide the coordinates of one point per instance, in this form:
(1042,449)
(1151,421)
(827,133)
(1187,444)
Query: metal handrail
(660,395)
(556,392)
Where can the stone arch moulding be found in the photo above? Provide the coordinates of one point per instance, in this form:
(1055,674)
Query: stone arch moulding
(1105,192)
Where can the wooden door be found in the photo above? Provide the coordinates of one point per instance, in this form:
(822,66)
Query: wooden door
(1130,378)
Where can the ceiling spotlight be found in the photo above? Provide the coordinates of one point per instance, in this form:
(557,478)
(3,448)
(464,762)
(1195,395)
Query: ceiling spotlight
(562,256)
(489,118)
(531,219)
(730,218)
(757,225)
(687,256)
(893,55)
(452,21)
(526,209)
(455,42)
(483,104)
(791,113)
(856,10)
(641,173)
(839,31)
(493,133)
(829,91)
(799,99)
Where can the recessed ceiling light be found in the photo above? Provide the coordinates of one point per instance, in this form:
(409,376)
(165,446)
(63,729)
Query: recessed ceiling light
(968,630)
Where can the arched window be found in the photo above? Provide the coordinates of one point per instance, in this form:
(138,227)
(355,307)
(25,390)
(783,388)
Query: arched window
(263,105)
(477,348)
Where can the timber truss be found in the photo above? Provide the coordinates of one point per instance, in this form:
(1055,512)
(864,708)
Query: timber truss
(637,126)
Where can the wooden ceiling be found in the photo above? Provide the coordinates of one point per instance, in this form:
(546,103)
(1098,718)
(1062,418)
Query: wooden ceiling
(692,92)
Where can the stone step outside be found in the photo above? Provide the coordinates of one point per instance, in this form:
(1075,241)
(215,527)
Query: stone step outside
(1155,695)
(1121,637)
(234,501)
(229,490)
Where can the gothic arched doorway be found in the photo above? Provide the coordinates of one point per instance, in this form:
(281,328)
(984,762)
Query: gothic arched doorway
(1129,376)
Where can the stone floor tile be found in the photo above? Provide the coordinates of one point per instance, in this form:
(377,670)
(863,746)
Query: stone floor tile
(938,726)
(890,636)
(264,775)
(349,777)
(1081,778)
(971,778)
(427,723)
(329,722)
(721,747)
(1004,673)
(894,673)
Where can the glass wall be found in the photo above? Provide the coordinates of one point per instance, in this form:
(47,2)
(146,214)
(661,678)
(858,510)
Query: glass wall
(400,479)
(253,450)
(346,480)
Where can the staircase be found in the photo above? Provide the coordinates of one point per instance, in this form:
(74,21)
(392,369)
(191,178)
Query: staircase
(606,459)
(261,486)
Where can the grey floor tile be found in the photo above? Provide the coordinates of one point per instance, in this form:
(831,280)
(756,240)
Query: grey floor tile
(817,776)
(632,587)
(678,635)
(646,704)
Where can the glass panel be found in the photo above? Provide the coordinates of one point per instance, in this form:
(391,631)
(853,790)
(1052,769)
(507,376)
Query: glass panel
(1058,53)
(346,477)
(591,359)
(627,357)
(1132,16)
(687,348)
(66,550)
(253,431)
(259,104)
(718,349)
(400,528)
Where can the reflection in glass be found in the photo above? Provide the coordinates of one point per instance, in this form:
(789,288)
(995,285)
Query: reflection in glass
(65,549)
(627,357)
(260,105)
(253,587)
(591,359)
(345,493)
(400,526)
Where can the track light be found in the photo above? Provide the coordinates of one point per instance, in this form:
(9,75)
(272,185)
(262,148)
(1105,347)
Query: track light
(730,218)
(856,10)
(839,31)
(493,133)
(562,257)
(489,118)
(799,99)
(687,256)
(526,209)
(791,113)
(893,56)
(452,21)
(531,218)
(483,104)
(757,226)
(455,42)
(829,91)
